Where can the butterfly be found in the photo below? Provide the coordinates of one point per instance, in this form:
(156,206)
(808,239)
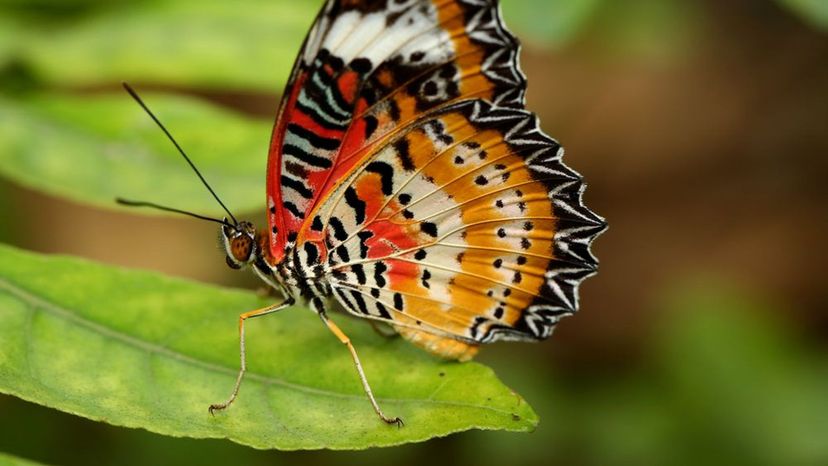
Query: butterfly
(407,183)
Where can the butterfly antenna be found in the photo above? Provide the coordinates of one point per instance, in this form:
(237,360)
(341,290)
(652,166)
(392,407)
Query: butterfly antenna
(134,95)
(131,203)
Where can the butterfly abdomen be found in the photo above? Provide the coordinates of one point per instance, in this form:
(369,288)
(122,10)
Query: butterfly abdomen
(442,346)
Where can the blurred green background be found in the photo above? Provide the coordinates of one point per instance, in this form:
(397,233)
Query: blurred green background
(701,126)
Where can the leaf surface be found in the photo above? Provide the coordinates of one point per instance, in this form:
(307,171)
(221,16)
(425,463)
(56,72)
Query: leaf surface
(137,349)
(93,148)
(9,460)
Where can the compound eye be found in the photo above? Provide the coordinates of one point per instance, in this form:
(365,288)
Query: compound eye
(241,248)
(231,263)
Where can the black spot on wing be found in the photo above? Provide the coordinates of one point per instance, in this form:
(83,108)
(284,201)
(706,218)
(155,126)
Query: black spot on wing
(338,229)
(291,207)
(344,297)
(355,203)
(386,173)
(401,147)
(371,124)
(316,225)
(312,253)
(383,312)
(320,142)
(429,228)
(360,301)
(359,271)
(298,186)
(361,65)
(425,277)
(363,248)
(342,252)
(379,278)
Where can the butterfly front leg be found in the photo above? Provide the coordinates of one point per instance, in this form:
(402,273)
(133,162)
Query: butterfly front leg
(319,308)
(242,318)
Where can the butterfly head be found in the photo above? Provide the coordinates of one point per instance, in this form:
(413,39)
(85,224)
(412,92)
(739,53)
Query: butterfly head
(238,238)
(239,243)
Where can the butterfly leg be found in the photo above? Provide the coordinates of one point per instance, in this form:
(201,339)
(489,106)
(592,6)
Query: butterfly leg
(347,342)
(247,315)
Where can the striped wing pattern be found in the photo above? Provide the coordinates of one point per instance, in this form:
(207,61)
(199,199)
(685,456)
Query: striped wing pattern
(402,158)
(366,69)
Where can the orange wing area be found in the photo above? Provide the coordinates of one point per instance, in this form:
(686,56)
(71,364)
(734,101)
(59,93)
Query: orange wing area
(463,228)
(368,68)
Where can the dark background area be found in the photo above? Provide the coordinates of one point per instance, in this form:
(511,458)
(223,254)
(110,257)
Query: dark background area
(700,127)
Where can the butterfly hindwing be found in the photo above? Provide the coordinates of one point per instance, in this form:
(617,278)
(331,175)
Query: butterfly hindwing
(465,224)
(366,69)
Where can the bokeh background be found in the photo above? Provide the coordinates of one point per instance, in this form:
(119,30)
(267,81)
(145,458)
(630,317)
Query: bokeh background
(700,125)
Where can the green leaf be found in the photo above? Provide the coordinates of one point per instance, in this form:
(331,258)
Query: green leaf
(8,460)
(96,147)
(813,11)
(137,349)
(244,44)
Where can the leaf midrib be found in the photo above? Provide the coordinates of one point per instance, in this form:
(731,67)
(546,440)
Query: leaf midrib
(54,309)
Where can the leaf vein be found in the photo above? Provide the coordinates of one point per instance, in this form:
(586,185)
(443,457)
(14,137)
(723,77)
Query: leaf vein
(56,310)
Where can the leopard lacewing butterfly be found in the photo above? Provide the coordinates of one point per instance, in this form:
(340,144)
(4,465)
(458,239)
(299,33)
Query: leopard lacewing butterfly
(406,181)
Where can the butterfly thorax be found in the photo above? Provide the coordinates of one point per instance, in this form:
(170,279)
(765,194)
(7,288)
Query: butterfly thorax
(299,273)
(305,273)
